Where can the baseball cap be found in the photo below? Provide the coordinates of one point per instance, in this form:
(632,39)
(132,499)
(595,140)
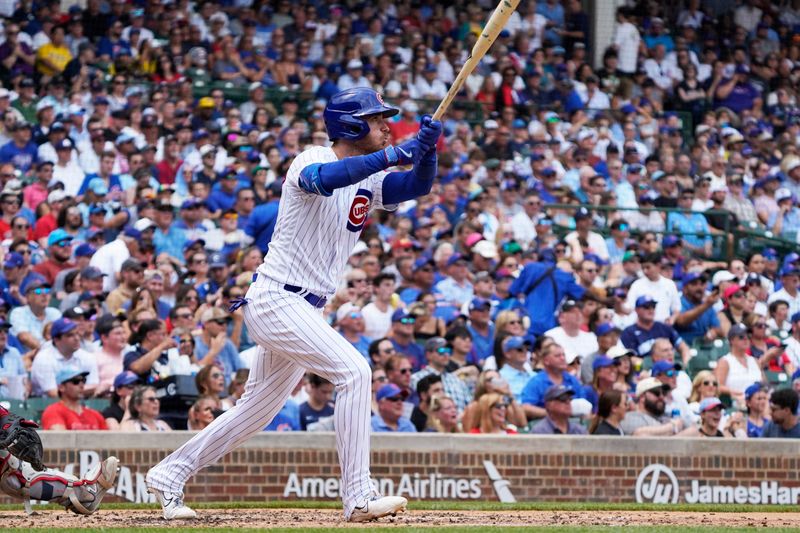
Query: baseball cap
(124,137)
(213,313)
(557,392)
(604,328)
(707,404)
(783,194)
(63,144)
(692,276)
(217,260)
(630,255)
(514,342)
(648,384)
(205,101)
(502,273)
(132,233)
(421,263)
(400,314)
(582,213)
(91,272)
(454,259)
(480,304)
(85,250)
(601,362)
(62,326)
(663,366)
(36,284)
(193,242)
(721,276)
(737,330)
(98,186)
(670,240)
(486,250)
(795,317)
(390,390)
(13,260)
(752,389)
(733,289)
(131,264)
(67,373)
(125,378)
(568,305)
(144,224)
(615,352)
(434,343)
(57,236)
(345,309)
(645,300)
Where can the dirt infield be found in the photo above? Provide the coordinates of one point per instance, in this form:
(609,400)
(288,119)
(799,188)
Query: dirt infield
(265,518)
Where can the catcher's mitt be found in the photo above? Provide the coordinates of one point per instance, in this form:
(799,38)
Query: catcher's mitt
(19,437)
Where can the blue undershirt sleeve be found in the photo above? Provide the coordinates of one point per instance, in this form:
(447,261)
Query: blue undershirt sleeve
(324,178)
(399,187)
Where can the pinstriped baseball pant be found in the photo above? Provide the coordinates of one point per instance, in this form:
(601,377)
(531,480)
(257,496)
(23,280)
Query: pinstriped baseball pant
(293,337)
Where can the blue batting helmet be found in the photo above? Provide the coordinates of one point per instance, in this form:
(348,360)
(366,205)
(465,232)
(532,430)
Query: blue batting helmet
(345,112)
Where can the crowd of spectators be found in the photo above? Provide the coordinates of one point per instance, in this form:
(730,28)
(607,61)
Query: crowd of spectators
(576,254)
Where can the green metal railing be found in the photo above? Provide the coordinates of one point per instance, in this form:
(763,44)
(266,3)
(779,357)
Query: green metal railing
(746,238)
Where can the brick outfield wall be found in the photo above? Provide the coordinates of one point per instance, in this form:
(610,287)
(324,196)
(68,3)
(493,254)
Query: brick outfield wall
(587,469)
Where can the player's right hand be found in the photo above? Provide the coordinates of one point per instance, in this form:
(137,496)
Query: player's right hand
(410,152)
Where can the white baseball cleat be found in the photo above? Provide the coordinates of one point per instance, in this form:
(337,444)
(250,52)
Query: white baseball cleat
(172,504)
(379,507)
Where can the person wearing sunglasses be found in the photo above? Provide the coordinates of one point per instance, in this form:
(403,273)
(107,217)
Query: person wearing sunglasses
(389,418)
(641,336)
(438,353)
(59,251)
(737,370)
(558,408)
(667,373)
(350,323)
(69,413)
(27,322)
(649,418)
(402,336)
(144,409)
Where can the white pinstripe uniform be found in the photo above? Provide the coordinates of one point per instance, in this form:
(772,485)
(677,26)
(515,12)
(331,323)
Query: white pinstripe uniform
(313,238)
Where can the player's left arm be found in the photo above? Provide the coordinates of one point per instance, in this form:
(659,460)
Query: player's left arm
(399,187)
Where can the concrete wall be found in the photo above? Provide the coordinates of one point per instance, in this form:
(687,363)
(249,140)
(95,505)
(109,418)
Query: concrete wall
(525,468)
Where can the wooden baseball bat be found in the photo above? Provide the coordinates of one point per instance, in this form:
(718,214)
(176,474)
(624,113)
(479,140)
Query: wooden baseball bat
(490,32)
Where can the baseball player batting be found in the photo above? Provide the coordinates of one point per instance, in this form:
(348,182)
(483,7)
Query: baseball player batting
(326,198)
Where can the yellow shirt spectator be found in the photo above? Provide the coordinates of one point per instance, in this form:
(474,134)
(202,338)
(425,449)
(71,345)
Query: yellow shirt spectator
(52,59)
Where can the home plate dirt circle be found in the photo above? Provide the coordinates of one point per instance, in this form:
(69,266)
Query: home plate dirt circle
(265,518)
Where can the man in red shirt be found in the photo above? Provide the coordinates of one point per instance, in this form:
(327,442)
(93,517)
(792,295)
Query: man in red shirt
(69,413)
(168,167)
(408,125)
(59,250)
(47,223)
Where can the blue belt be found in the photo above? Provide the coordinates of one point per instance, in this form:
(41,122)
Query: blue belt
(313,299)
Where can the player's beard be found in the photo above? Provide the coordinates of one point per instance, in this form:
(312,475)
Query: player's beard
(370,143)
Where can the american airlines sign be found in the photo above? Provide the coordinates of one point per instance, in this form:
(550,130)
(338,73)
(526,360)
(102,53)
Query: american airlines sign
(432,486)
(657,483)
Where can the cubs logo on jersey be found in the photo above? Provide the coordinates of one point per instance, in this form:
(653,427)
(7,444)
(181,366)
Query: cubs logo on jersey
(359,210)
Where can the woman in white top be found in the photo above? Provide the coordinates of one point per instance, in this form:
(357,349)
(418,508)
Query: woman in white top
(737,370)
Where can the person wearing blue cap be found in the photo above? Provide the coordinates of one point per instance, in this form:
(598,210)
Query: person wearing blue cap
(402,337)
(641,335)
(389,418)
(481,327)
(456,288)
(516,369)
(697,318)
(756,397)
(790,290)
(59,250)
(27,322)
(558,411)
(583,234)
(63,351)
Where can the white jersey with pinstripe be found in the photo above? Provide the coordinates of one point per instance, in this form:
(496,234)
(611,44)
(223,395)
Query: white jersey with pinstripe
(313,239)
(314,235)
